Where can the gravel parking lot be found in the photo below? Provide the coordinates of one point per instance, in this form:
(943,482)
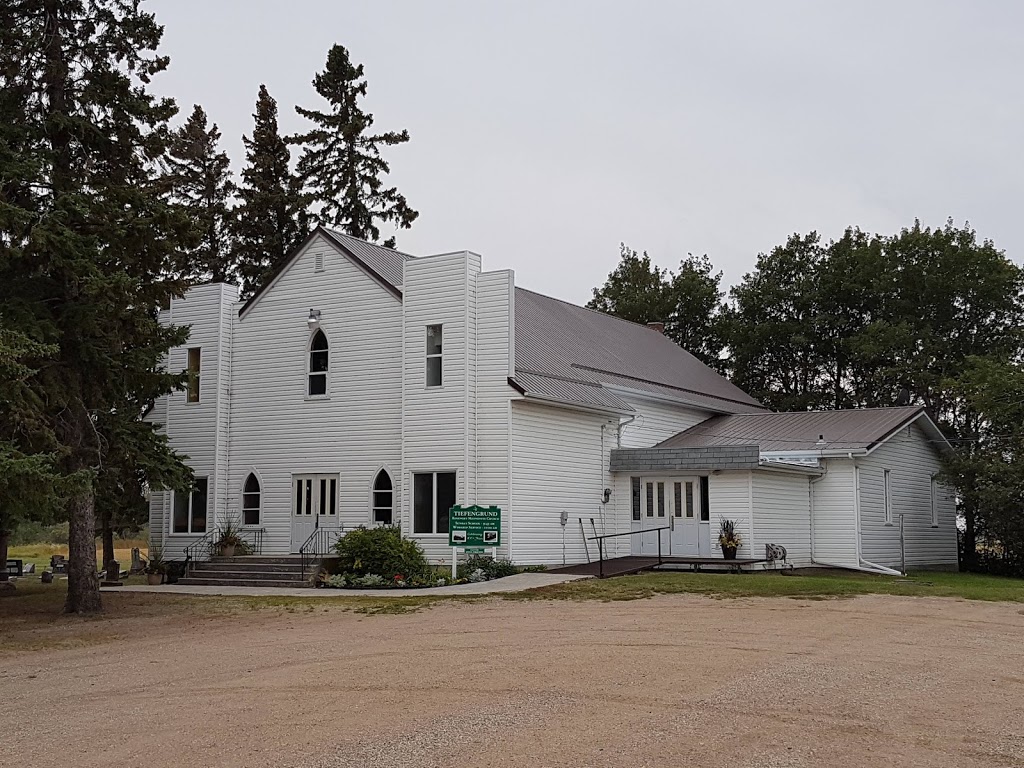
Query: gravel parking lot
(675,680)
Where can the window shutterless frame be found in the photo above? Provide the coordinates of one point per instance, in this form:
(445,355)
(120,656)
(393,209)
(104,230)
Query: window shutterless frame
(887,489)
(195,360)
(318,369)
(434,366)
(382,499)
(189,511)
(433,495)
(251,496)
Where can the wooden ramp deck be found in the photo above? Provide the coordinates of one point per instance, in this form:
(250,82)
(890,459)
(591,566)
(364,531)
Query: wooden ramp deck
(621,566)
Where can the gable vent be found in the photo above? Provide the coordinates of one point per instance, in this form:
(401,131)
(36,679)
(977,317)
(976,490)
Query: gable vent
(318,262)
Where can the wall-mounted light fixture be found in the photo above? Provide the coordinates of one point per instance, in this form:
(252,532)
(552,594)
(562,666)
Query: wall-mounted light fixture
(607,495)
(314,318)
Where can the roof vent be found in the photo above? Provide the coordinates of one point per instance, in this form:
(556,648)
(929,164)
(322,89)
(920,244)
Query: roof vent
(318,261)
(659,327)
(821,441)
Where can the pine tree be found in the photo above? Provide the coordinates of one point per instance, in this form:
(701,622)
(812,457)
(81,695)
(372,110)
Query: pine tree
(341,166)
(271,216)
(197,177)
(85,241)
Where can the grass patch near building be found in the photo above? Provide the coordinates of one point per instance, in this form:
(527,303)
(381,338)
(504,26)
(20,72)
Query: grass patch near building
(809,584)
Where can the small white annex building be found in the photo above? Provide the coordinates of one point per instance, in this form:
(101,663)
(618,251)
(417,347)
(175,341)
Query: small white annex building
(364,386)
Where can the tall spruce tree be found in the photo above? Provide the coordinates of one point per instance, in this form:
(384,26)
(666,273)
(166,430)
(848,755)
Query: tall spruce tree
(85,239)
(271,216)
(341,167)
(197,177)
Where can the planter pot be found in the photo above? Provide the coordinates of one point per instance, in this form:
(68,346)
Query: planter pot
(154,579)
(729,553)
(228,550)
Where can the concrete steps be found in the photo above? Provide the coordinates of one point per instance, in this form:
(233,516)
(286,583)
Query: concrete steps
(248,571)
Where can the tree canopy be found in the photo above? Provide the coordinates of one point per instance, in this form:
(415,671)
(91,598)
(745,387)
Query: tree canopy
(341,166)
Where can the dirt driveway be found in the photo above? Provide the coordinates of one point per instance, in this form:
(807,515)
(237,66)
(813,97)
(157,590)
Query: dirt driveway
(671,681)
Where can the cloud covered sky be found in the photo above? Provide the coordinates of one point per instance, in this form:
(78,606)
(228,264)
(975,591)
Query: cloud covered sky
(546,133)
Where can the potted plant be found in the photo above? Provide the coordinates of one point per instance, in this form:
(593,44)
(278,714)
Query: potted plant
(229,539)
(156,567)
(728,539)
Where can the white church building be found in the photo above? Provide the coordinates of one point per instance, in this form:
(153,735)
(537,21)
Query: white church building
(363,386)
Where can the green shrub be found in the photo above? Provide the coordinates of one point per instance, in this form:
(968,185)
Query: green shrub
(380,551)
(488,567)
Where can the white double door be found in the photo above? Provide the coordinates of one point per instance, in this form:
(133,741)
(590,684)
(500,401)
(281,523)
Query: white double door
(314,505)
(670,516)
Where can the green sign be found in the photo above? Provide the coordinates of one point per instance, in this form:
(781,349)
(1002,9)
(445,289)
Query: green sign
(475,550)
(474,526)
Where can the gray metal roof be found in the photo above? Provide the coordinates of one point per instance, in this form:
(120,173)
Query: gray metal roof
(850,430)
(388,263)
(575,344)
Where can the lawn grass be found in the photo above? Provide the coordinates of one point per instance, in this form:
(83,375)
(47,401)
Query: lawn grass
(810,584)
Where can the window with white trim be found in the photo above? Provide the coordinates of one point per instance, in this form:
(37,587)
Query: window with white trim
(887,483)
(188,513)
(383,499)
(635,495)
(251,500)
(434,337)
(318,365)
(433,496)
(195,359)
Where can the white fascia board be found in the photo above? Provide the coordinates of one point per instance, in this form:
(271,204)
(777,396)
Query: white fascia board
(930,428)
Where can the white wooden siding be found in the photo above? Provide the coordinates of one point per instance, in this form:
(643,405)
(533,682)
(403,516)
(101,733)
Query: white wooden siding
(436,434)
(729,499)
(656,420)
(196,429)
(834,524)
(276,430)
(558,464)
(495,356)
(912,461)
(782,514)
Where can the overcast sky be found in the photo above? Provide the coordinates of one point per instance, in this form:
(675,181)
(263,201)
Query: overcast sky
(546,133)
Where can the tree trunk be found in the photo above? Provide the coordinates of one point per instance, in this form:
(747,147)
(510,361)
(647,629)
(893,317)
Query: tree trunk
(970,539)
(83,583)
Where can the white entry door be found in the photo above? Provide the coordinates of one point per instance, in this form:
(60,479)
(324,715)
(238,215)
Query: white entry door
(314,505)
(654,515)
(685,522)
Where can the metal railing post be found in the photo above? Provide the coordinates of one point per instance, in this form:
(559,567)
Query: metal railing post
(600,555)
(659,547)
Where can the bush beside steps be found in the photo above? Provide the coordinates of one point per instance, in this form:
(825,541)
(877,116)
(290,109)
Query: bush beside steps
(379,558)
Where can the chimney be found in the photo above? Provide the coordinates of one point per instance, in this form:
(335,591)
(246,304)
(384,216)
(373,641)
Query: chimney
(659,327)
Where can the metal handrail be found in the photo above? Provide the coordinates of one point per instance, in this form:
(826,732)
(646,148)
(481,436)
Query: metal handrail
(600,544)
(317,544)
(193,550)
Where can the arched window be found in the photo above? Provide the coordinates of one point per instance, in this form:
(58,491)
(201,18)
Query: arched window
(383,499)
(251,500)
(318,365)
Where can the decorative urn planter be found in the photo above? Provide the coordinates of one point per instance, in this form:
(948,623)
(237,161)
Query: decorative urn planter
(154,579)
(227,550)
(729,553)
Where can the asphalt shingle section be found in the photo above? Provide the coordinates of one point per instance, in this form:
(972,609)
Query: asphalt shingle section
(682,459)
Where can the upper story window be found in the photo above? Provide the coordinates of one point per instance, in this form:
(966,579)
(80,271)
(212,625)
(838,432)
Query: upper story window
(318,364)
(434,356)
(194,364)
(383,499)
(251,500)
(189,509)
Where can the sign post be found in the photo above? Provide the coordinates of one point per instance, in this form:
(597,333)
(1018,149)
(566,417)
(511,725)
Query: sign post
(473,529)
